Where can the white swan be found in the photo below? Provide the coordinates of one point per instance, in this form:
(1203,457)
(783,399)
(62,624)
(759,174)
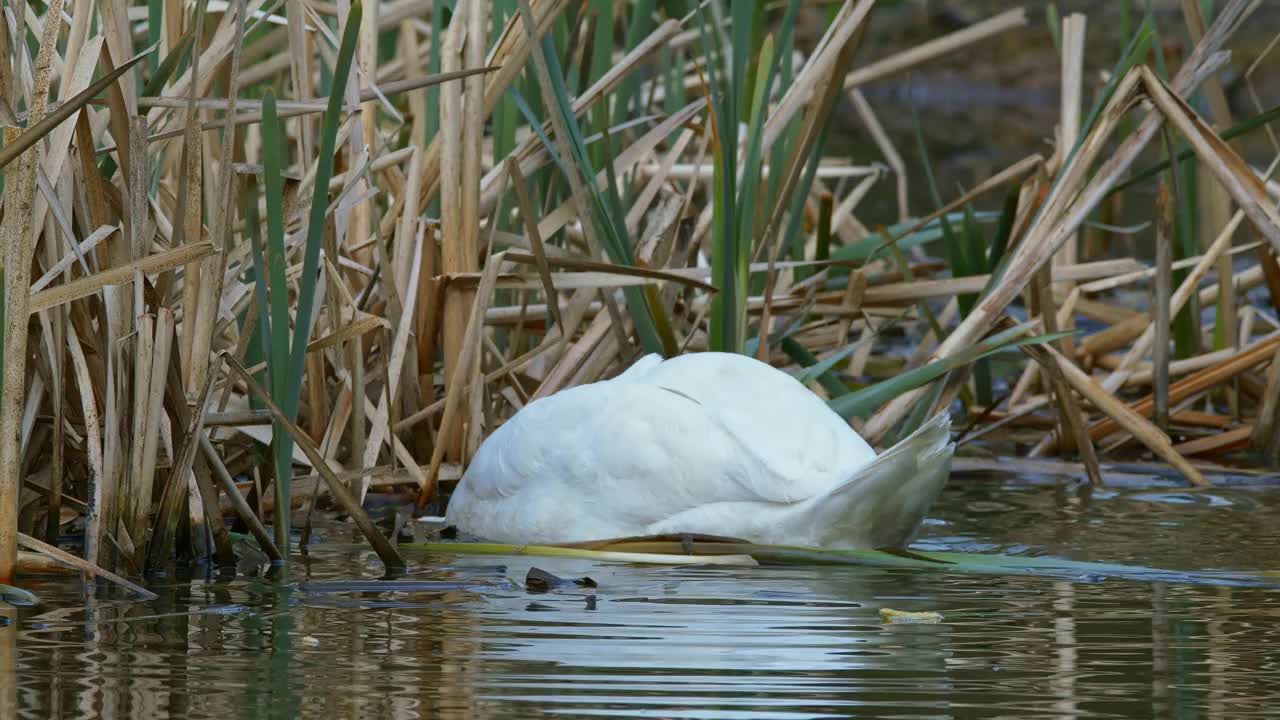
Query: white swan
(711,443)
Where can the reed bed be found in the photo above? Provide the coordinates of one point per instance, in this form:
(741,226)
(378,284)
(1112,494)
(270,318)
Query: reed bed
(268,259)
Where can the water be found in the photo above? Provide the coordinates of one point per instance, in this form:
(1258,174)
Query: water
(771,642)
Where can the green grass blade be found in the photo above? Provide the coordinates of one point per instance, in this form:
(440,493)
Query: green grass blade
(800,354)
(725,334)
(801,193)
(749,199)
(628,98)
(963,263)
(872,245)
(261,344)
(865,401)
(277,350)
(606,213)
(319,202)
(820,370)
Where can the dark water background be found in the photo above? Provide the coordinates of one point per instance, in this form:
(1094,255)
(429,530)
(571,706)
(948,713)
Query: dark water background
(989,105)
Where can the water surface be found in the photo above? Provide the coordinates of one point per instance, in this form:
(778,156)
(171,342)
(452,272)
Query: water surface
(467,640)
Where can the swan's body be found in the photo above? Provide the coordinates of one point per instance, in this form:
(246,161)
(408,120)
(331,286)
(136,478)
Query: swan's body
(711,443)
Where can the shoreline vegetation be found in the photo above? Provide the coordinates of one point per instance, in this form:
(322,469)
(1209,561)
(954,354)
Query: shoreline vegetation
(306,255)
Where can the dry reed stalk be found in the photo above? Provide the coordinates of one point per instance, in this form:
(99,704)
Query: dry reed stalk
(395,364)
(1162,313)
(527,214)
(17,254)
(1266,433)
(912,291)
(460,232)
(924,52)
(1179,299)
(390,558)
(1073,420)
(133,515)
(1237,178)
(154,404)
(82,565)
(1144,375)
(1069,203)
(891,155)
(1113,282)
(1072,90)
(184,474)
(467,355)
(190,228)
(1218,444)
(222,216)
(1247,357)
(118,275)
(1123,416)
(510,56)
(237,501)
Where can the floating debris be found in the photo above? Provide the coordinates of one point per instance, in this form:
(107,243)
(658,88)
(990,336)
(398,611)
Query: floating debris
(925,617)
(540,581)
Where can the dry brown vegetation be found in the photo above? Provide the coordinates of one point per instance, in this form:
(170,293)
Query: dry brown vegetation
(177,293)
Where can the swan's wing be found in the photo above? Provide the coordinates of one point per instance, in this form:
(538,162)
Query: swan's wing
(596,461)
(881,507)
(800,446)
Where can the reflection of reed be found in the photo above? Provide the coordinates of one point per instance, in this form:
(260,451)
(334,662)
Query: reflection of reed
(1161,677)
(1220,654)
(1064,635)
(8,665)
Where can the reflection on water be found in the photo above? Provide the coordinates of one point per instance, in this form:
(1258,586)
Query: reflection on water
(466,640)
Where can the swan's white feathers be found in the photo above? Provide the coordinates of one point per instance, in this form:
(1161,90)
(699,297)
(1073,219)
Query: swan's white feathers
(711,442)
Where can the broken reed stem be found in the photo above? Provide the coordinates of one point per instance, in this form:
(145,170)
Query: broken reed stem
(1125,417)
(1073,418)
(238,503)
(386,553)
(83,565)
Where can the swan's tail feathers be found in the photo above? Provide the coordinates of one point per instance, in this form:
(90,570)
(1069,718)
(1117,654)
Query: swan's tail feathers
(885,502)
